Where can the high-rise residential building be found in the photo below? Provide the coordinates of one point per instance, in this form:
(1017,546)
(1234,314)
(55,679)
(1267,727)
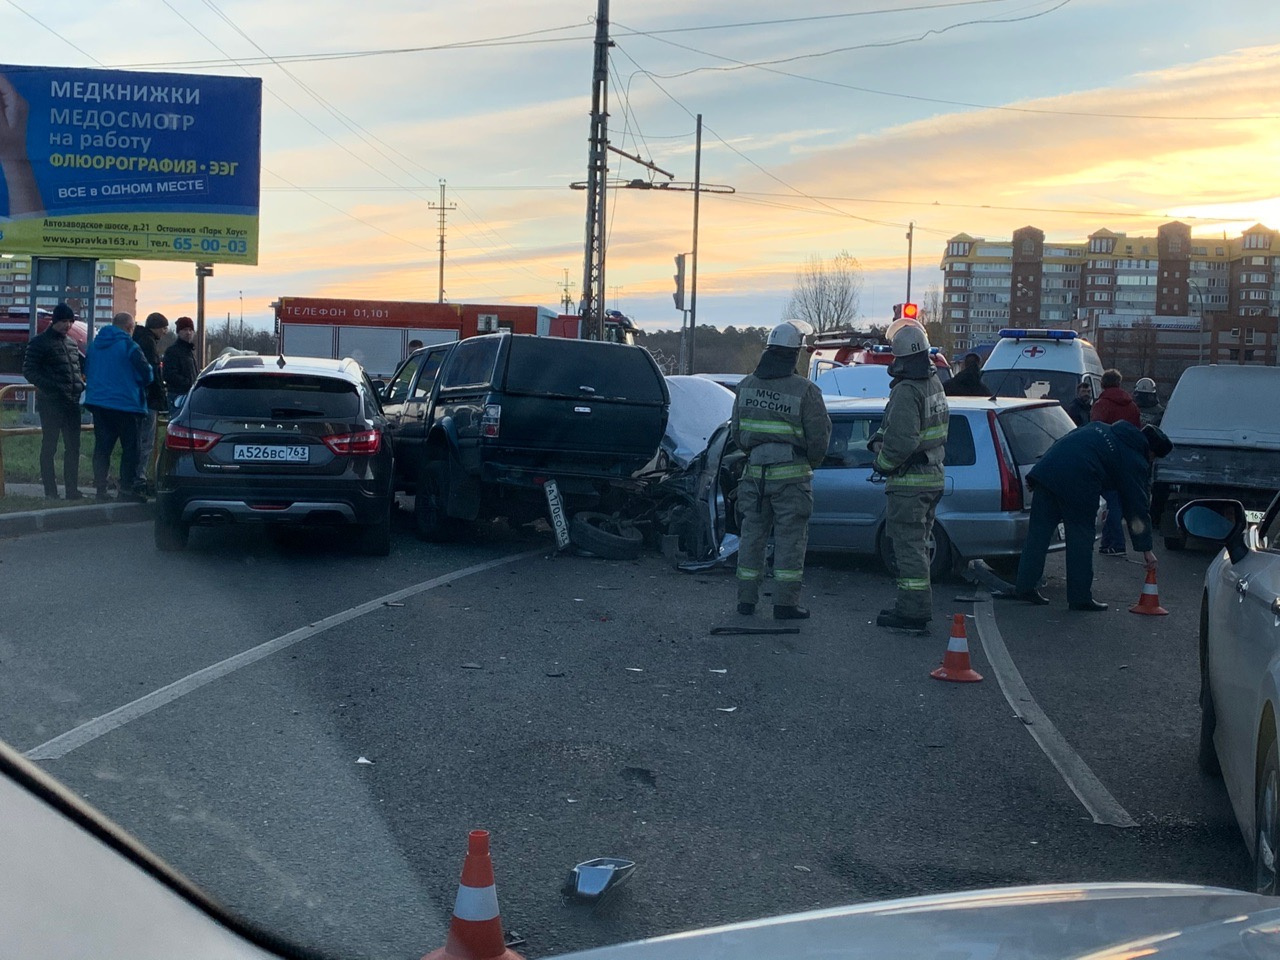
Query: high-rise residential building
(1171,281)
(115,288)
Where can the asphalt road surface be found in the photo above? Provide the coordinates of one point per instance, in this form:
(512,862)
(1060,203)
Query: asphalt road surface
(580,708)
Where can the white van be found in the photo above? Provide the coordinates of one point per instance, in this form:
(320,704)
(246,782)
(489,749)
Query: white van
(1042,363)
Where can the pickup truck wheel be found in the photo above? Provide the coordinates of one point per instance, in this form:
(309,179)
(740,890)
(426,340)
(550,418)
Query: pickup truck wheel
(429,517)
(606,536)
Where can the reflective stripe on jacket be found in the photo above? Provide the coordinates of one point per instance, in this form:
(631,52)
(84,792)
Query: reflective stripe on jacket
(784,410)
(915,422)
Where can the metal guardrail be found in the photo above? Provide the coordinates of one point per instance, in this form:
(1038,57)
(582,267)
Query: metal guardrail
(161,420)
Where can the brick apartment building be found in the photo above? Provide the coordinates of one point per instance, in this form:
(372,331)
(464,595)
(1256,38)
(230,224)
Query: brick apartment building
(1152,305)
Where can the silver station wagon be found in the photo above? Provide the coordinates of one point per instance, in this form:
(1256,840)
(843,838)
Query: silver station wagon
(984,510)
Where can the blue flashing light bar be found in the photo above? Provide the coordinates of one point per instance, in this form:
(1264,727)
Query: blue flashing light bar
(1012,333)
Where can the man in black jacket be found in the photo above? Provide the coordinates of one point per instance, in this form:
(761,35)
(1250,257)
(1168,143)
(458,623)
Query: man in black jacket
(968,382)
(180,361)
(145,337)
(54,365)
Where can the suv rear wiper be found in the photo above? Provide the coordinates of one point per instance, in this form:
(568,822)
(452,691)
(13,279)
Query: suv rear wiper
(284,413)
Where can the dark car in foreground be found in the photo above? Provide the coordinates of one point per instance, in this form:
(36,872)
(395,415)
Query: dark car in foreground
(285,441)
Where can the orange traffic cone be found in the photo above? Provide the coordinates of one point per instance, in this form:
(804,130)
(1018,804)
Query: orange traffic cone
(475,933)
(955,664)
(1149,603)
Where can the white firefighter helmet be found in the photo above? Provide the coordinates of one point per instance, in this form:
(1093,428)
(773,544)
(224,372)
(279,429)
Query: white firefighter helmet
(1145,385)
(908,339)
(789,334)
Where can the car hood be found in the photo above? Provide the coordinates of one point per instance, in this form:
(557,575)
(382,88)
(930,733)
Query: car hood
(1027,923)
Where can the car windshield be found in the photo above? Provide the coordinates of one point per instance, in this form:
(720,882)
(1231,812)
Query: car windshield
(381,509)
(1033,384)
(272,396)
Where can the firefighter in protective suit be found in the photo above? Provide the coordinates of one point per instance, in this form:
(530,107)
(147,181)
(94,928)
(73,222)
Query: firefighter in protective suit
(781,423)
(909,448)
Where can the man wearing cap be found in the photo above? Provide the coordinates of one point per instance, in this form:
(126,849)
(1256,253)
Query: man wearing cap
(1066,484)
(118,376)
(781,422)
(180,361)
(909,448)
(54,366)
(146,337)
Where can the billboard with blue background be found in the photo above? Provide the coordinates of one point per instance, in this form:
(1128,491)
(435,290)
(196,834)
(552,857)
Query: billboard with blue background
(123,164)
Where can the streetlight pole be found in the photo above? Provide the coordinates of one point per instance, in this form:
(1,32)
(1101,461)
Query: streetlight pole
(1200,322)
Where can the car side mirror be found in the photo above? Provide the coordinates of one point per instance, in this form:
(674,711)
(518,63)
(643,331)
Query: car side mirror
(1218,521)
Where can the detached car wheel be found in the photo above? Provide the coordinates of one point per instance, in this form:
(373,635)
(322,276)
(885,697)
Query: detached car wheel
(171,535)
(1266,829)
(606,536)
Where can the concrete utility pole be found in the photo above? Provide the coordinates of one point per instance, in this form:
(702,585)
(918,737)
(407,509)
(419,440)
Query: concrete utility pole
(443,208)
(911,236)
(592,307)
(202,344)
(693,269)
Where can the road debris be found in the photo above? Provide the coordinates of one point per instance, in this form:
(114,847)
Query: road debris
(592,879)
(472,666)
(364,760)
(726,709)
(751,631)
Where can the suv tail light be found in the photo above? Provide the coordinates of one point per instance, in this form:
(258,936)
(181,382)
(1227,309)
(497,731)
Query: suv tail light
(365,443)
(194,441)
(1010,485)
(491,421)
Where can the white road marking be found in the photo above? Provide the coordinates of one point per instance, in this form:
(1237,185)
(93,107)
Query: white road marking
(1097,799)
(91,730)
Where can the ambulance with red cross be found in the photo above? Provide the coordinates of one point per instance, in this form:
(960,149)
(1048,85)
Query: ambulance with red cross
(1039,363)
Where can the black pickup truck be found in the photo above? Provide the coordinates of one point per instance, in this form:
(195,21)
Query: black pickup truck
(479,426)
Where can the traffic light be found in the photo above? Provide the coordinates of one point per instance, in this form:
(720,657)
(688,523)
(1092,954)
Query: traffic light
(678,296)
(906,311)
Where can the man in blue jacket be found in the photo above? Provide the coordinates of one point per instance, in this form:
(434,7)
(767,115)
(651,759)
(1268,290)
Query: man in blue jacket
(1066,484)
(118,375)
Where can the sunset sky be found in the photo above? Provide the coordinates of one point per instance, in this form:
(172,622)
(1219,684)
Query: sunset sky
(836,121)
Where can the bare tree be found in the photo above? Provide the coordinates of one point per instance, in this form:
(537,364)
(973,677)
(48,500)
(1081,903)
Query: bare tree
(827,294)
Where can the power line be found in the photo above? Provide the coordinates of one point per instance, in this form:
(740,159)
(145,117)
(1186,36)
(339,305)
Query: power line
(364,135)
(740,65)
(517,39)
(32,16)
(767,173)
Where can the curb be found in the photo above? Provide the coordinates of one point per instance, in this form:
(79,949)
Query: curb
(73,518)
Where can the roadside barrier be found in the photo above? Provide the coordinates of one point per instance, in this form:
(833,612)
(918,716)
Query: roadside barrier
(35,431)
(475,932)
(1149,601)
(955,662)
